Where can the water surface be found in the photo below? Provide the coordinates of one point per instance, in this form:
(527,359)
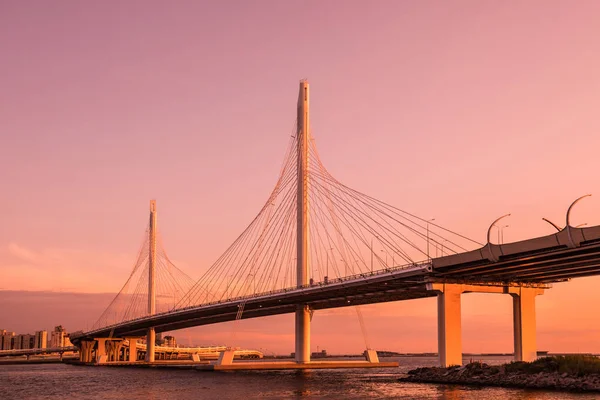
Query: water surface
(60,381)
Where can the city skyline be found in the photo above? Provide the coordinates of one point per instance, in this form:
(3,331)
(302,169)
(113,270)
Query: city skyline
(501,126)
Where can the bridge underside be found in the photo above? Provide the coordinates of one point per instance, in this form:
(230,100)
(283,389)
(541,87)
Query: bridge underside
(546,265)
(371,289)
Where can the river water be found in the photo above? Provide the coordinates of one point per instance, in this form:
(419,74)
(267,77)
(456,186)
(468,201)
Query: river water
(60,381)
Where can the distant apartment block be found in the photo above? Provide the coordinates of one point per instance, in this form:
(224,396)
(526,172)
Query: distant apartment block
(169,341)
(39,340)
(59,337)
(6,340)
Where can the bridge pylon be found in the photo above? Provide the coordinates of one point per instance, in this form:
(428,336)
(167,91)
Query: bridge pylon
(302,228)
(151,335)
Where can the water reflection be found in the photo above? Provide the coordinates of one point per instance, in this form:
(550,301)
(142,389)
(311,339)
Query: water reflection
(57,381)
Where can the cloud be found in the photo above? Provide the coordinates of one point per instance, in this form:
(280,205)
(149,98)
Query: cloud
(60,269)
(22,253)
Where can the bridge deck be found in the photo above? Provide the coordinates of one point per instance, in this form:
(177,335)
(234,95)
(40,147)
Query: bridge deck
(541,260)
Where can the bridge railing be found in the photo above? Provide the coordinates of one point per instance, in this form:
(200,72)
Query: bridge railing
(284,290)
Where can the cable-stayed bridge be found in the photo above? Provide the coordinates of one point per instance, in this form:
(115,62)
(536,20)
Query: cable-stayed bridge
(316,244)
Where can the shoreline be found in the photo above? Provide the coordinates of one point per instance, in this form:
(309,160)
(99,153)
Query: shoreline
(507,375)
(23,361)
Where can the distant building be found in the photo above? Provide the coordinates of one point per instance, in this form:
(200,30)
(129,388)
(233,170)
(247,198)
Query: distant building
(27,341)
(6,340)
(170,341)
(41,340)
(16,342)
(57,337)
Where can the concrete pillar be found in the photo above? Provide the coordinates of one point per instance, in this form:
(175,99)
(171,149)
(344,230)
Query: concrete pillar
(449,325)
(525,340)
(150,343)
(302,334)
(132,350)
(101,351)
(226,357)
(302,224)
(151,336)
(371,356)
(85,352)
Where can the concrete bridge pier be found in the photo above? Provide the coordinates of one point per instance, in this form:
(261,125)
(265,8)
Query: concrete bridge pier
(302,334)
(449,325)
(150,343)
(524,323)
(101,356)
(132,355)
(449,318)
(113,349)
(86,350)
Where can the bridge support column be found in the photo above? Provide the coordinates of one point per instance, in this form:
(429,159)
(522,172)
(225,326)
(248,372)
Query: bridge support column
(132,349)
(302,334)
(371,356)
(449,325)
(85,351)
(524,323)
(226,357)
(113,349)
(101,350)
(150,343)
(449,318)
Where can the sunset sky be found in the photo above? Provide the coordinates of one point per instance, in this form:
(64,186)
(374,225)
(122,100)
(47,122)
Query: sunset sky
(460,111)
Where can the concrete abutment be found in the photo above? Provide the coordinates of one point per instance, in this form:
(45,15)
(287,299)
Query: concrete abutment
(449,318)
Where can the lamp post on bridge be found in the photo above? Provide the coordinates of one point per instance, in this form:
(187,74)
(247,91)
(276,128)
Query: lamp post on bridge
(568,225)
(327,267)
(442,245)
(501,233)
(386,264)
(428,221)
(371,255)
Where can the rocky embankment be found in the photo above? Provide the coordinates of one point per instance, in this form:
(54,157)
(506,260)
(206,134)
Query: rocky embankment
(509,375)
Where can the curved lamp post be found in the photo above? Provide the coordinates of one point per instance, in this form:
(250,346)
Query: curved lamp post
(552,223)
(571,242)
(489,245)
(492,225)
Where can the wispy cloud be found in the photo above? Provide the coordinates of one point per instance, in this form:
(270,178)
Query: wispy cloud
(22,253)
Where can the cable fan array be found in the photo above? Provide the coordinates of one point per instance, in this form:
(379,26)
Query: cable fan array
(132,301)
(349,233)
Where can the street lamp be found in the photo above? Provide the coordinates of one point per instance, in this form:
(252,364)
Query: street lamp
(501,233)
(568,226)
(443,241)
(428,221)
(345,267)
(386,264)
(494,224)
(327,267)
(552,223)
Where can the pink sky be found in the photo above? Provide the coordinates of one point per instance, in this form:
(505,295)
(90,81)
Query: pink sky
(462,111)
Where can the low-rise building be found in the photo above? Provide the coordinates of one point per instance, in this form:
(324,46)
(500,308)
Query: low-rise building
(41,339)
(57,336)
(6,340)
(170,341)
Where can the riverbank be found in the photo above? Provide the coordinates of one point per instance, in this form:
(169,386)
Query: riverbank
(565,373)
(35,360)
